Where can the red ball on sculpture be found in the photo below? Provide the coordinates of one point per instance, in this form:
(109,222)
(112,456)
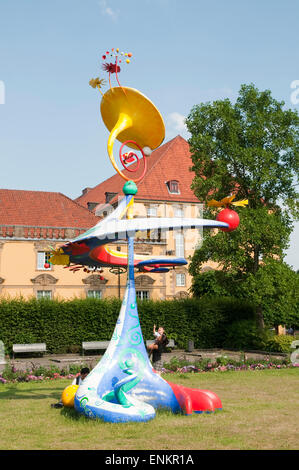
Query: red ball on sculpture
(46,265)
(230,217)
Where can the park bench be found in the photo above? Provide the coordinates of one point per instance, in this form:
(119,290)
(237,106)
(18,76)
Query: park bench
(28,348)
(102,345)
(94,345)
(169,345)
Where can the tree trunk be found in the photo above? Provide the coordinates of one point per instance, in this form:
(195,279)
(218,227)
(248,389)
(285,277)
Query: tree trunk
(260,318)
(259,311)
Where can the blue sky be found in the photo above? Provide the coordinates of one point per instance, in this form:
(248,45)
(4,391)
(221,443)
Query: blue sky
(184,52)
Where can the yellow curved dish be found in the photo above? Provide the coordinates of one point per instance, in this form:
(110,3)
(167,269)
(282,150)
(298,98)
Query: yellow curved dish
(129,115)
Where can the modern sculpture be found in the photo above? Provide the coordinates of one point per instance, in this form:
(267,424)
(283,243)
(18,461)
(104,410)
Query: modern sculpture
(123,386)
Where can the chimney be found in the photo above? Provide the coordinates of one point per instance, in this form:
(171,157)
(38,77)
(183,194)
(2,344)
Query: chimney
(85,191)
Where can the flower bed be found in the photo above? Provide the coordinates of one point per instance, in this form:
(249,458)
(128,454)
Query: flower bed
(221,364)
(21,377)
(229,367)
(12,375)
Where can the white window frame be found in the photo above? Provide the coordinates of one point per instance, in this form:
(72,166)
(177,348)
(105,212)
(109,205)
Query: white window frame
(179,245)
(142,294)
(44,294)
(169,184)
(94,294)
(181,280)
(178,212)
(42,258)
(151,211)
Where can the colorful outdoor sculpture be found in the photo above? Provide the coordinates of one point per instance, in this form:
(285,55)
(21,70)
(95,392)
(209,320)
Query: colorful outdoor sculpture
(68,395)
(123,386)
(228,215)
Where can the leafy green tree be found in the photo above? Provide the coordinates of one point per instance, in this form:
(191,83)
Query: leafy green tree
(275,287)
(210,283)
(250,148)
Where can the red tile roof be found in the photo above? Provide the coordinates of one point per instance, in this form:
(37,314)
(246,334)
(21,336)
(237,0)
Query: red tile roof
(171,161)
(42,209)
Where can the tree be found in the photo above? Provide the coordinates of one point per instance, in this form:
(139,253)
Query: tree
(210,283)
(275,287)
(250,148)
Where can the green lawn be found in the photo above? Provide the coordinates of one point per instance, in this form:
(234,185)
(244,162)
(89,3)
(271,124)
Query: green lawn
(260,411)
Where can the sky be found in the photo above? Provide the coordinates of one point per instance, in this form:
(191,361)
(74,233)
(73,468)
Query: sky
(184,53)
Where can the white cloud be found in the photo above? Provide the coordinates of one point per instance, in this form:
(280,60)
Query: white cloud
(292,254)
(175,124)
(2,92)
(107,10)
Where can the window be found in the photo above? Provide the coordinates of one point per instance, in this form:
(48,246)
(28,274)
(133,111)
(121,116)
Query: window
(173,187)
(44,294)
(92,205)
(151,211)
(94,294)
(109,196)
(180,280)
(179,245)
(142,294)
(178,212)
(42,258)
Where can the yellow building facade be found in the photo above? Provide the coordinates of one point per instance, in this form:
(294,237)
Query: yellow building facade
(24,270)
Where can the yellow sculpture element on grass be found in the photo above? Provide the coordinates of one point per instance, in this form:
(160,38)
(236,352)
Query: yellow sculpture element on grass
(68,395)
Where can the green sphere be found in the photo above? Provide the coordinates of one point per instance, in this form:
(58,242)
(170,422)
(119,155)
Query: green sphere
(130,188)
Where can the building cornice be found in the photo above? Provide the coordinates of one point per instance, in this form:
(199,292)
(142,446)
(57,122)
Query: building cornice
(35,233)
(166,201)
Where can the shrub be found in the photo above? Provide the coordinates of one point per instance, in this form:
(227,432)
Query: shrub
(9,373)
(280,343)
(245,335)
(175,363)
(64,325)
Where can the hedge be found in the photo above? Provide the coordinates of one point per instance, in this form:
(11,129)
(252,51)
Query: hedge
(63,325)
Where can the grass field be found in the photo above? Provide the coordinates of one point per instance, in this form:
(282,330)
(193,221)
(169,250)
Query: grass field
(260,411)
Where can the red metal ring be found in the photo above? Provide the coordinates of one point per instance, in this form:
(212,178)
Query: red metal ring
(123,162)
(143,156)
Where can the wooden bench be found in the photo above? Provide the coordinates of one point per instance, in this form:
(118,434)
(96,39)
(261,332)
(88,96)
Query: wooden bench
(25,348)
(169,345)
(94,345)
(102,345)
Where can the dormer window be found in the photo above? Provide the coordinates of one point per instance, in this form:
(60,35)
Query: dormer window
(173,186)
(91,205)
(109,196)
